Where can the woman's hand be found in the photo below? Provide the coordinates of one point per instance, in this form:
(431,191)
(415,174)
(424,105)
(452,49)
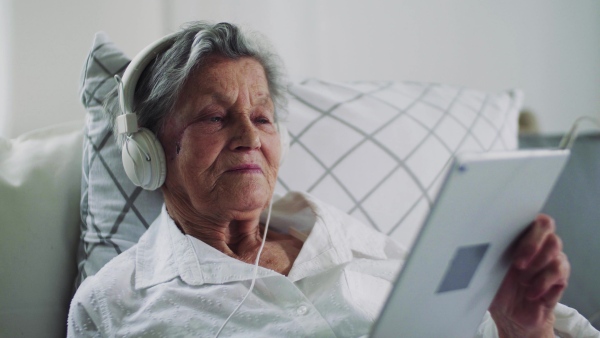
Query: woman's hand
(524,304)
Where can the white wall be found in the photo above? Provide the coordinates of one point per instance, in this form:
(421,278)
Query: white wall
(5,74)
(549,48)
(50,41)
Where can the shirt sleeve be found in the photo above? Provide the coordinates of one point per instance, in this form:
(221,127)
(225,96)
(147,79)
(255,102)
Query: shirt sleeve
(571,323)
(84,315)
(568,323)
(487,328)
(80,323)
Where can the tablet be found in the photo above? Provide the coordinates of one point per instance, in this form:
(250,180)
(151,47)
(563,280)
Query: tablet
(461,253)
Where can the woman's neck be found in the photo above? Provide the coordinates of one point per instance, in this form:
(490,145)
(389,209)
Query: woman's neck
(237,238)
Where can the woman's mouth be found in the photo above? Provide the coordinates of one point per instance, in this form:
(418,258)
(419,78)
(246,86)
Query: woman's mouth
(246,169)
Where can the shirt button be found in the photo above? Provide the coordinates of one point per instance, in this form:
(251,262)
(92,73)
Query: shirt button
(301,310)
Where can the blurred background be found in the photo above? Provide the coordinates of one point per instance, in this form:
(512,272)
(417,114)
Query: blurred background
(548,48)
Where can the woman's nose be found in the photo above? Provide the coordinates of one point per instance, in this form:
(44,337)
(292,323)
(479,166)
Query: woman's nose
(245,136)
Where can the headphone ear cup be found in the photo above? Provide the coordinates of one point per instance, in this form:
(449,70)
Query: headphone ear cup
(284,139)
(144,160)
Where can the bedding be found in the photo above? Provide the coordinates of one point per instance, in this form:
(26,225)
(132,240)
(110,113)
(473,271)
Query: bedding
(376,150)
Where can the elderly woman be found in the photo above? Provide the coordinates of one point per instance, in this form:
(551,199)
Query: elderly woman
(213,99)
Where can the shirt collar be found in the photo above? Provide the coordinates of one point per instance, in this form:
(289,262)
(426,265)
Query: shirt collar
(324,248)
(165,253)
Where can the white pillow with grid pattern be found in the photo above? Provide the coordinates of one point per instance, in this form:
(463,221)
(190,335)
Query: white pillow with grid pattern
(378,150)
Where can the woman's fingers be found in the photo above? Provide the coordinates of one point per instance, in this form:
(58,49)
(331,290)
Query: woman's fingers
(535,282)
(533,241)
(553,295)
(543,268)
(549,283)
(550,251)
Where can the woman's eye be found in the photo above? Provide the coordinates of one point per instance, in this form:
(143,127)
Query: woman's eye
(263,120)
(215,119)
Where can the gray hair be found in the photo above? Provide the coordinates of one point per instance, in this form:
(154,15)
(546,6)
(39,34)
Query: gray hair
(160,83)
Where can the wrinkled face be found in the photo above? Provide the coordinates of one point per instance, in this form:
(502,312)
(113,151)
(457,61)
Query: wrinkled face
(221,142)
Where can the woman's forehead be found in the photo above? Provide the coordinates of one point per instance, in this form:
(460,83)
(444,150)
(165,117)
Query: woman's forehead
(220,77)
(223,81)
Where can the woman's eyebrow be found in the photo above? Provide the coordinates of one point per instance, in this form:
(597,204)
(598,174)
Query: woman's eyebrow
(262,99)
(258,100)
(221,98)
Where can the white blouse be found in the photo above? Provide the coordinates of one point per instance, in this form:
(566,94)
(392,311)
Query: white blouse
(173,285)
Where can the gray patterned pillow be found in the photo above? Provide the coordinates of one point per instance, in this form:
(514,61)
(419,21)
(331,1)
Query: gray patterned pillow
(376,150)
(114,212)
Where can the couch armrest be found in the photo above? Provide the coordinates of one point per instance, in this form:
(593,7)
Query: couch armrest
(40,179)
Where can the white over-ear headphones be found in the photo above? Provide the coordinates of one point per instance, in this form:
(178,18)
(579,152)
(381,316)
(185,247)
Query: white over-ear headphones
(142,154)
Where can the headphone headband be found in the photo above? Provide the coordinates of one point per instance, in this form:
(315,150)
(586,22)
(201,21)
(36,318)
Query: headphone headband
(132,74)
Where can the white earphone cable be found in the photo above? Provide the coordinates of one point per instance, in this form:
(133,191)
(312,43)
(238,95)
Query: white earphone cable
(567,141)
(262,245)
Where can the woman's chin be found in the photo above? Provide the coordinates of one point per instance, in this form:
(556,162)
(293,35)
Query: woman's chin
(249,197)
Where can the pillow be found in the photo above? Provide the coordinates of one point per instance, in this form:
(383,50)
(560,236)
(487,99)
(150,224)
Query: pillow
(114,212)
(376,150)
(40,175)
